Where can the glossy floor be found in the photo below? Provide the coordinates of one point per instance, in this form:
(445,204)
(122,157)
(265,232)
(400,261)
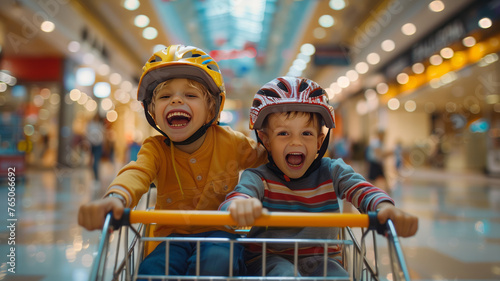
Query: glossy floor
(458,238)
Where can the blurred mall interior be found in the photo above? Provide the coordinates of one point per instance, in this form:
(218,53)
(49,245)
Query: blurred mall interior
(425,72)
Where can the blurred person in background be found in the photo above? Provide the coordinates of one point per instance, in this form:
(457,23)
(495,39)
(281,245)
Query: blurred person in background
(95,136)
(375,156)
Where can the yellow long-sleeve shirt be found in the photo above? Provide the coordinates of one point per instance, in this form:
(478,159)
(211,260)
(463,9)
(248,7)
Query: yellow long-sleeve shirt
(206,175)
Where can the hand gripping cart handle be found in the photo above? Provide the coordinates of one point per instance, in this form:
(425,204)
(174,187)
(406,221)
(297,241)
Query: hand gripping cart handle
(362,269)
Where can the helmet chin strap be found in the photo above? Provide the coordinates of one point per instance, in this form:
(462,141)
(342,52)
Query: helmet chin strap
(194,137)
(314,165)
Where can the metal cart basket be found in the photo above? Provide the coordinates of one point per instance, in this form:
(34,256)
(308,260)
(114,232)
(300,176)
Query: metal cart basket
(120,252)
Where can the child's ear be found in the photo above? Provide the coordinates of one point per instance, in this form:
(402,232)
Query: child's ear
(264,138)
(321,138)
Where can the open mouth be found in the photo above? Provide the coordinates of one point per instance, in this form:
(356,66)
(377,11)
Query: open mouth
(295,159)
(178,119)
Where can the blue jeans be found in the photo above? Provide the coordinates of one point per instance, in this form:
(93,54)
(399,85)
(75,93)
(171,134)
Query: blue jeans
(278,265)
(214,257)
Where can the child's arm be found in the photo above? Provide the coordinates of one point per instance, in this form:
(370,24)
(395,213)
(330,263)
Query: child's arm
(244,202)
(406,224)
(245,211)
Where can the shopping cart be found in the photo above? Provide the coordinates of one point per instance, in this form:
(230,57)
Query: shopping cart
(121,260)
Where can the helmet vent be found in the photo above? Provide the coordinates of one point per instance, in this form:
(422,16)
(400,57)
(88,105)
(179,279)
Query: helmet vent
(268,93)
(190,55)
(303,86)
(282,86)
(256,103)
(317,93)
(156,59)
(213,67)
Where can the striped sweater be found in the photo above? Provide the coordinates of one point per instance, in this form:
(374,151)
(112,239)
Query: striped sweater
(320,192)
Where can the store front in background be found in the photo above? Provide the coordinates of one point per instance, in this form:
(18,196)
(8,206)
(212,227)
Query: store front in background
(450,82)
(30,104)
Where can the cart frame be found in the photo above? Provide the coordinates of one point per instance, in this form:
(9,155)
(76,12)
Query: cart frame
(358,266)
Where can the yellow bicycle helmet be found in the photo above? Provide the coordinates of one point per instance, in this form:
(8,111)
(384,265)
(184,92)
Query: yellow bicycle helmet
(179,61)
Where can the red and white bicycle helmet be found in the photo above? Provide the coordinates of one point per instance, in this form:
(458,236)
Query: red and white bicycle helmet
(287,93)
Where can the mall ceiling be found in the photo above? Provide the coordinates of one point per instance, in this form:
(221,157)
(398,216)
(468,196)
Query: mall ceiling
(254,41)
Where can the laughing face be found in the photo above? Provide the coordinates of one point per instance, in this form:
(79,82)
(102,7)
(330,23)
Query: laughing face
(180,109)
(293,141)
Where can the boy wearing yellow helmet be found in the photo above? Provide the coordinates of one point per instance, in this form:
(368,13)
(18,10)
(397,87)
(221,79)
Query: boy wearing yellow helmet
(289,114)
(194,162)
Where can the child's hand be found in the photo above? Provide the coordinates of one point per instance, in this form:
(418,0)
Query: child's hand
(406,224)
(92,215)
(245,211)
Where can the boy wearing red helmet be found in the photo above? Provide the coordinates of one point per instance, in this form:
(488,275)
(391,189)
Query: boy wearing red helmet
(289,114)
(183,94)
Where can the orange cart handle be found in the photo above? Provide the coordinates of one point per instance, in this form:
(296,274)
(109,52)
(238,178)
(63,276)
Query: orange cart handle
(278,219)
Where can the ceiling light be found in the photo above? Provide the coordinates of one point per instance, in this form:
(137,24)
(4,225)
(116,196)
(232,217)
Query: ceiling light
(75,94)
(436,60)
(102,89)
(409,29)
(91,105)
(308,49)
(47,26)
(319,33)
(149,33)
(107,104)
(85,76)
(485,23)
(382,88)
(388,45)
(352,75)
(74,46)
(418,68)
(337,5)
(370,94)
(469,41)
(126,86)
(103,69)
(446,53)
(112,116)
(88,58)
(402,78)
(343,82)
(131,5)
(303,57)
(299,64)
(410,106)
(141,21)
(362,67)
(115,78)
(393,104)
(373,58)
(436,6)
(336,89)
(326,21)
(83,99)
